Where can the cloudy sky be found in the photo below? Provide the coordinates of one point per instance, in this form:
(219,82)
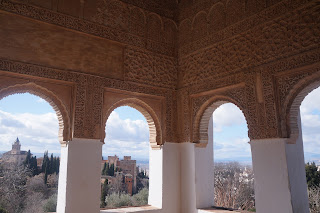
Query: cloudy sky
(35,123)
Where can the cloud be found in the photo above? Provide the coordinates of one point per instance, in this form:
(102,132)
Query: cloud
(311,102)
(227,115)
(126,137)
(40,100)
(126,129)
(310,120)
(230,134)
(36,132)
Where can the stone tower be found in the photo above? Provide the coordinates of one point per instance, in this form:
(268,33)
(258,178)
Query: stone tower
(16,146)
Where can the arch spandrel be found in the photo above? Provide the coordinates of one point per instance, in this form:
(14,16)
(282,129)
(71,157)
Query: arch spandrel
(150,107)
(203,115)
(56,103)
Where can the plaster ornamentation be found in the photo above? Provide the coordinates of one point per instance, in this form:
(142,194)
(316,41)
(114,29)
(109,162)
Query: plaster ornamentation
(293,87)
(89,96)
(63,115)
(114,99)
(203,105)
(149,68)
(101,24)
(265,43)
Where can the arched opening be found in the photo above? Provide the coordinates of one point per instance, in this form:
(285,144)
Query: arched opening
(29,172)
(224,175)
(308,139)
(131,164)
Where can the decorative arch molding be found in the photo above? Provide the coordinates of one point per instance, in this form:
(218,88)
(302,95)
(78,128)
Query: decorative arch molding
(291,110)
(58,106)
(201,120)
(155,131)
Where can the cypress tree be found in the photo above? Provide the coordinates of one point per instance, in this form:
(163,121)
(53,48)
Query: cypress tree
(45,161)
(57,165)
(108,169)
(51,165)
(111,170)
(45,176)
(104,193)
(26,162)
(104,169)
(35,166)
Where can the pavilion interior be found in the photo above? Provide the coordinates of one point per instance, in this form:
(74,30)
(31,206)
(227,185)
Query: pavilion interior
(175,61)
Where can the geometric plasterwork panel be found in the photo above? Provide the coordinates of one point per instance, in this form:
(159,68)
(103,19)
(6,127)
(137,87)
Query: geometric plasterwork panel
(297,31)
(150,68)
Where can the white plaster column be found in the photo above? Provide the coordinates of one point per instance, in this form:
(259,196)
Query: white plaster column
(79,178)
(297,174)
(204,172)
(171,178)
(271,180)
(155,177)
(279,172)
(187,180)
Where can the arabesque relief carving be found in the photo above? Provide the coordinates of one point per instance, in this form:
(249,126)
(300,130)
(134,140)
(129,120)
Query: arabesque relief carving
(88,104)
(186,53)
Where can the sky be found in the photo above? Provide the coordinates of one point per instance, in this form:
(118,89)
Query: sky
(34,121)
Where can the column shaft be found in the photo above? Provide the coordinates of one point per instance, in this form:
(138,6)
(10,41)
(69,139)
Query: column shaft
(79,179)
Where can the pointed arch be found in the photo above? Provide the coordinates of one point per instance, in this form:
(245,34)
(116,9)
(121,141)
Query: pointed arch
(54,101)
(155,132)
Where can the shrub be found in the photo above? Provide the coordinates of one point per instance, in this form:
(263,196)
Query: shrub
(314,199)
(50,204)
(2,210)
(116,200)
(141,198)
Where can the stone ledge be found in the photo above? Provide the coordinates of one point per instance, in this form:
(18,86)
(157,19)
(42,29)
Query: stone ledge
(130,209)
(214,210)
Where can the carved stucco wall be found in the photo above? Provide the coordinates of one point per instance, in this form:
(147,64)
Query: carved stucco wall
(93,52)
(252,48)
(187,53)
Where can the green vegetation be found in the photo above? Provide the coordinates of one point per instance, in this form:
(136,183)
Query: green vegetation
(116,200)
(29,188)
(104,193)
(50,204)
(313,181)
(108,170)
(312,174)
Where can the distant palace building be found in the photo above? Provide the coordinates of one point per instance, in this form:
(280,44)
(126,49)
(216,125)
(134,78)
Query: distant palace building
(15,156)
(128,168)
